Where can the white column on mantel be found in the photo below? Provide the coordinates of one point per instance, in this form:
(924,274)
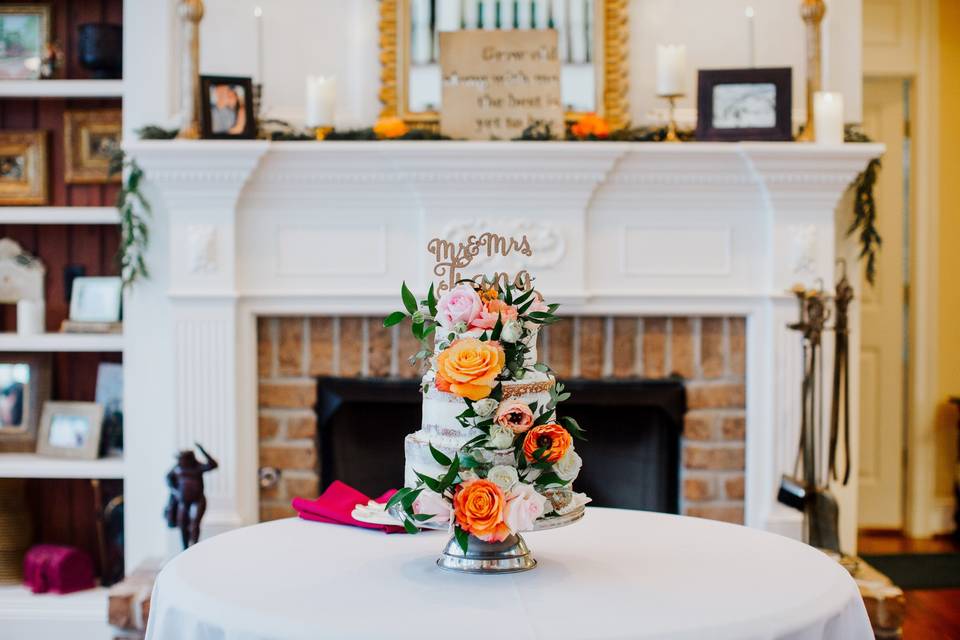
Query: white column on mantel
(618,229)
(196,187)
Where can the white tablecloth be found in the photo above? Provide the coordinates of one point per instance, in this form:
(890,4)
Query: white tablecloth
(615,574)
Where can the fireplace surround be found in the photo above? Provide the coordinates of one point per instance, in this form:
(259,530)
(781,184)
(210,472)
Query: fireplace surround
(287,234)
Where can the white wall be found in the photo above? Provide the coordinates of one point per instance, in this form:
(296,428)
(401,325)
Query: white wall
(302,37)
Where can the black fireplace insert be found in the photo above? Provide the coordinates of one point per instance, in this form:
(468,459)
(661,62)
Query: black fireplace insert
(631,458)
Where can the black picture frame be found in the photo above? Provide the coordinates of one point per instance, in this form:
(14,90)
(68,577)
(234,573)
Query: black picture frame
(708,81)
(207,120)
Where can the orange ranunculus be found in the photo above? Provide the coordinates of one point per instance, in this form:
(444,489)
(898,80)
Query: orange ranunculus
(390,127)
(590,124)
(553,439)
(470,367)
(479,507)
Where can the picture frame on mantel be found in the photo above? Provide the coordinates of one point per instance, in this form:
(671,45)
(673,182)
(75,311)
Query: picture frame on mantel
(736,105)
(226,108)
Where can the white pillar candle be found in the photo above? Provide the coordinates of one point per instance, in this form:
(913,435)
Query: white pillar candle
(828,117)
(578,31)
(258,21)
(471,14)
(751,39)
(671,69)
(358,71)
(30,317)
(524,14)
(321,101)
(506,15)
(488,9)
(421,38)
(541,14)
(449,15)
(558,10)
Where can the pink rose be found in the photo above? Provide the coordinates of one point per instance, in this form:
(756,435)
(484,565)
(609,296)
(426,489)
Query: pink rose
(487,319)
(524,506)
(433,503)
(460,304)
(514,415)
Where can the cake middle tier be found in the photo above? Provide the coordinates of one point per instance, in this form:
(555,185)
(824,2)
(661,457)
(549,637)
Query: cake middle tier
(440,409)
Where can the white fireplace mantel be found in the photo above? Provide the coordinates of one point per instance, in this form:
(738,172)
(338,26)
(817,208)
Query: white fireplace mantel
(247,228)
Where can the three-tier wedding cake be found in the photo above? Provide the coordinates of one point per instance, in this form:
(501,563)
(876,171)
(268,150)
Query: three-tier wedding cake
(492,457)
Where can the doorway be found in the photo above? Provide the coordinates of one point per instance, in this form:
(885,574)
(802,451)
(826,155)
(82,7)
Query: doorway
(885,313)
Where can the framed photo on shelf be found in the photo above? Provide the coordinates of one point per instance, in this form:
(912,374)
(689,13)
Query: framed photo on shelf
(96,299)
(24,387)
(70,430)
(90,138)
(23,167)
(744,104)
(226,108)
(24,35)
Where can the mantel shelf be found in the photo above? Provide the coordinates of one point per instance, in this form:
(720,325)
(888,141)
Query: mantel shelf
(61,89)
(57,342)
(31,465)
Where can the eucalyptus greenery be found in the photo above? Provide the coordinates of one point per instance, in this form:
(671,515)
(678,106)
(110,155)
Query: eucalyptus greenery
(865,208)
(134,209)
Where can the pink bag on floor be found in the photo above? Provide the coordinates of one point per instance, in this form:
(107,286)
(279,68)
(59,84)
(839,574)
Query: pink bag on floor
(57,568)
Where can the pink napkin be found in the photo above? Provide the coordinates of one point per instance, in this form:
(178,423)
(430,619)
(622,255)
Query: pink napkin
(337,503)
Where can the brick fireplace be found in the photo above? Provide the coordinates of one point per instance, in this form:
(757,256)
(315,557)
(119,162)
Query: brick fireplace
(708,353)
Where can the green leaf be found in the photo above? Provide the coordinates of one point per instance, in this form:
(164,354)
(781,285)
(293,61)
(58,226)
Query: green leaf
(439,456)
(573,427)
(549,478)
(409,301)
(397,497)
(410,527)
(533,406)
(447,479)
(423,517)
(524,297)
(432,302)
(463,538)
(431,483)
(407,501)
(497,328)
(507,294)
(542,368)
(394,318)
(543,418)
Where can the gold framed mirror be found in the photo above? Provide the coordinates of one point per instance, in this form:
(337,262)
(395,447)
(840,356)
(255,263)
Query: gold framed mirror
(594,47)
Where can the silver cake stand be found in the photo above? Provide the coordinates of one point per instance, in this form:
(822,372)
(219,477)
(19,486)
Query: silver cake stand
(510,556)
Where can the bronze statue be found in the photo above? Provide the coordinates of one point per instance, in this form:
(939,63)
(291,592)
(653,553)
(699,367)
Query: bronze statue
(187,501)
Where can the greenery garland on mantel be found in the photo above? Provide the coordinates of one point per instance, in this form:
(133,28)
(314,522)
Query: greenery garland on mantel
(134,207)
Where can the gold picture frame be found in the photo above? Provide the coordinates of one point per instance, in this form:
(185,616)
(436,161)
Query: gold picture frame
(611,64)
(23,64)
(89,138)
(23,168)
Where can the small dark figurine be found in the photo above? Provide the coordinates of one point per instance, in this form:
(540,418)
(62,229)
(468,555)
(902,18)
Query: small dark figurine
(187,501)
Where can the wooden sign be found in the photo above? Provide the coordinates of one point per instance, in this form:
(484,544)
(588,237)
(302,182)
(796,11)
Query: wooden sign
(497,83)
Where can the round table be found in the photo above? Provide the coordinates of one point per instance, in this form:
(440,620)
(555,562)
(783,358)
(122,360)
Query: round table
(614,574)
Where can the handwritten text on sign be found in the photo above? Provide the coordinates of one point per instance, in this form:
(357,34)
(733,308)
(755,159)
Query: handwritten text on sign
(497,83)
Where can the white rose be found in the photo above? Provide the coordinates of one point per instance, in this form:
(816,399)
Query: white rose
(524,506)
(504,476)
(485,407)
(511,331)
(433,503)
(568,467)
(501,437)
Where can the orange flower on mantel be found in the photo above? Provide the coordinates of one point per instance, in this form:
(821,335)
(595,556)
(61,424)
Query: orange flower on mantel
(590,124)
(479,507)
(391,127)
(551,440)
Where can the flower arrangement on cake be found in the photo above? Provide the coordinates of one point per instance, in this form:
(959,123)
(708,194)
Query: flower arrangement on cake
(493,457)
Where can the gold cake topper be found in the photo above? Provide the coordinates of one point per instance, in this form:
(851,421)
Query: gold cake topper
(451,258)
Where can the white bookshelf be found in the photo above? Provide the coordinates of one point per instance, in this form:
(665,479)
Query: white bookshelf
(32,465)
(61,89)
(57,342)
(59,215)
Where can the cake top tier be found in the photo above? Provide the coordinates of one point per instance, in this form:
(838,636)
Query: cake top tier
(484,333)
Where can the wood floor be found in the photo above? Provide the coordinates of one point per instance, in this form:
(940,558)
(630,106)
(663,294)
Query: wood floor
(931,614)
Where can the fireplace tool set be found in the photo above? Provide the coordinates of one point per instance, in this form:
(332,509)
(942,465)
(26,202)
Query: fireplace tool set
(809,492)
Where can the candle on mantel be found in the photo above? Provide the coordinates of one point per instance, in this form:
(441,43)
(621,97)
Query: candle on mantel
(258,19)
(751,39)
(321,101)
(828,117)
(671,69)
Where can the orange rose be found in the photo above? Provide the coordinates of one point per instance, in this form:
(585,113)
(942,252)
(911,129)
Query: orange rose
(590,124)
(469,367)
(553,439)
(479,509)
(390,127)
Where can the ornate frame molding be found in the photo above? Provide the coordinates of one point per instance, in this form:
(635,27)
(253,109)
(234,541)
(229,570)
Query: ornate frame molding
(612,69)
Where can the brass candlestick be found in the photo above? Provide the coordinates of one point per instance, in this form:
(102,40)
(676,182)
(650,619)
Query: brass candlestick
(672,121)
(812,12)
(190,12)
(321,133)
